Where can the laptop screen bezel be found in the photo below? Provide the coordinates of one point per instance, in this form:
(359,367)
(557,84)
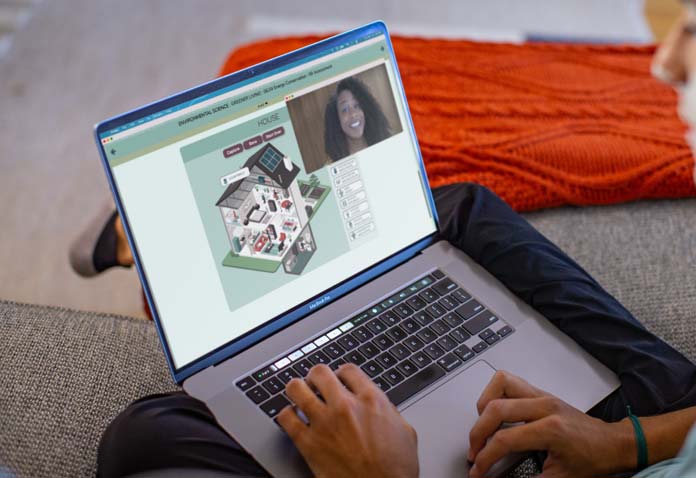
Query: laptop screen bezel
(272,326)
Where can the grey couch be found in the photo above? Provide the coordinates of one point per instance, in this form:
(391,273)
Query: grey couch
(65,374)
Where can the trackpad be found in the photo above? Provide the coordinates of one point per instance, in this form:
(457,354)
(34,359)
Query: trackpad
(443,419)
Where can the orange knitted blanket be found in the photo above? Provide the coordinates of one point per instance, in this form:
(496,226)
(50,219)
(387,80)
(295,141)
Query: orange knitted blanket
(542,125)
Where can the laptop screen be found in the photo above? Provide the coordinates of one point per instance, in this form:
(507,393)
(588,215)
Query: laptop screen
(247,201)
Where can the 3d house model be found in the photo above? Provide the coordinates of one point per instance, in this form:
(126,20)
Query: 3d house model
(266,215)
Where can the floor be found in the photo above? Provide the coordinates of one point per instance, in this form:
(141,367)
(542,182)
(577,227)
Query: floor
(72,63)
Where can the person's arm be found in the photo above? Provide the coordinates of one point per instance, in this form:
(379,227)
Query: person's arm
(577,444)
(666,433)
(355,431)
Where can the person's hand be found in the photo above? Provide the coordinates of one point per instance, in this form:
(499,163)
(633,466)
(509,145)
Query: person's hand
(577,444)
(354,432)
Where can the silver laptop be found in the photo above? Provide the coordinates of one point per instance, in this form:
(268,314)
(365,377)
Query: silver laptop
(281,217)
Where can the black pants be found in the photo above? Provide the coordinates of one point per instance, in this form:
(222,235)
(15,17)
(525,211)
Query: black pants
(174,430)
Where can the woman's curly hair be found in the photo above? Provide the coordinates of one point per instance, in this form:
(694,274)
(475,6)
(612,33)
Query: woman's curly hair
(376,124)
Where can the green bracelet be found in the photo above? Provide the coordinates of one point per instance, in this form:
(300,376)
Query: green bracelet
(641,442)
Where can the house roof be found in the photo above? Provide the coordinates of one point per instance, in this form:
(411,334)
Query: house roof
(270,161)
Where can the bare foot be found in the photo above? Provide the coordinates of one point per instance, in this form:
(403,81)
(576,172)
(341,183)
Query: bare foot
(123,251)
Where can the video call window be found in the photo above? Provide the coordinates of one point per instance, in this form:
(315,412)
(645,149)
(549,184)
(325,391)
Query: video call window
(344,117)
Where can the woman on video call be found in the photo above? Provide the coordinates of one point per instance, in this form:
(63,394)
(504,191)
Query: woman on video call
(353,120)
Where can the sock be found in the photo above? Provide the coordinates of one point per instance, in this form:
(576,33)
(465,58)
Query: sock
(104,255)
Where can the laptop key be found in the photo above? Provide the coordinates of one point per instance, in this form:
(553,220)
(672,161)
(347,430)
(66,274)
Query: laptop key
(393,376)
(429,295)
(459,335)
(369,350)
(336,364)
(444,287)
(389,318)
(461,295)
(485,334)
(452,319)
(449,362)
(381,383)
(415,383)
(421,359)
(480,322)
(423,318)
(406,368)
(440,327)
(448,302)
(403,310)
(413,343)
(463,352)
(469,309)
(273,385)
(386,360)
(287,374)
(438,274)
(273,406)
(416,302)
(333,350)
(246,383)
(363,334)
(492,339)
(383,342)
(354,357)
(479,347)
(302,367)
(396,333)
(447,343)
(348,342)
(376,326)
(399,351)
(372,368)
(434,351)
(502,332)
(426,335)
(436,310)
(410,325)
(258,394)
(318,357)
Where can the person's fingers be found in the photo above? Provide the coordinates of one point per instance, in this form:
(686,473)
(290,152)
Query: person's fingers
(301,395)
(506,385)
(326,382)
(292,424)
(355,379)
(528,437)
(501,411)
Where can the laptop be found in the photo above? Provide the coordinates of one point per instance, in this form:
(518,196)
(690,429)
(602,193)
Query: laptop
(281,217)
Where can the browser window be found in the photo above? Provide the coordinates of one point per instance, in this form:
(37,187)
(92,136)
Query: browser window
(252,201)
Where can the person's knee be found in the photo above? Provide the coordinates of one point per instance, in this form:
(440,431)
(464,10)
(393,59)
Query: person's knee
(459,195)
(144,431)
(454,203)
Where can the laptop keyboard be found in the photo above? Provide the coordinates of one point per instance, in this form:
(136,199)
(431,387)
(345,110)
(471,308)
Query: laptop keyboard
(404,343)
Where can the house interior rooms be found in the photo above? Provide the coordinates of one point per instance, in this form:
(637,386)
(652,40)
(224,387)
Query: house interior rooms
(266,222)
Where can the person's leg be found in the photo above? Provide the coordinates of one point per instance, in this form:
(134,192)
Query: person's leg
(170,431)
(101,245)
(655,378)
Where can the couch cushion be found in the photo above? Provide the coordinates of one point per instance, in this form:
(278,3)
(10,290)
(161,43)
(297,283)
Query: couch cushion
(65,375)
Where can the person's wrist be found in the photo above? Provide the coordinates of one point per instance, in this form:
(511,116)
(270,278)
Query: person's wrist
(621,453)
